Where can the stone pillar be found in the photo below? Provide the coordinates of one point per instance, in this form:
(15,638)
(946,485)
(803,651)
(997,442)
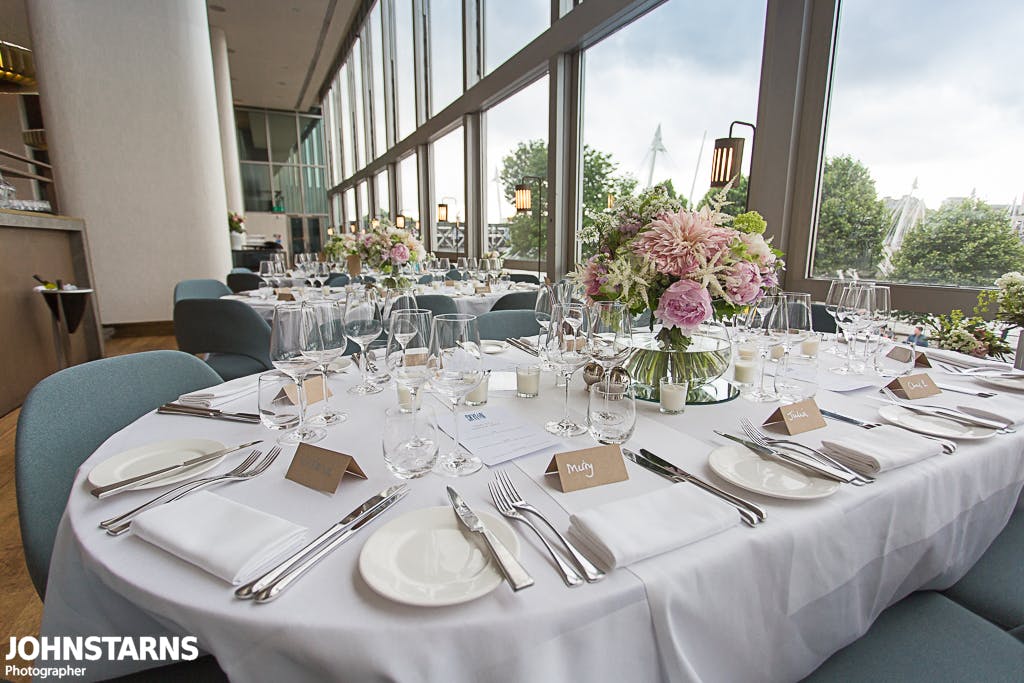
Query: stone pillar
(226,119)
(128,97)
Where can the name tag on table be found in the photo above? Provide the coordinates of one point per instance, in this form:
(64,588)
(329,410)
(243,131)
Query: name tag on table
(588,467)
(797,418)
(901,354)
(320,469)
(285,294)
(483,289)
(914,386)
(316,391)
(495,435)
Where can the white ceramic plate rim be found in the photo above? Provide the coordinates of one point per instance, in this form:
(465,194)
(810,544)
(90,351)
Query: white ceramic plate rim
(816,488)
(1001,382)
(905,418)
(427,518)
(153,456)
(493,346)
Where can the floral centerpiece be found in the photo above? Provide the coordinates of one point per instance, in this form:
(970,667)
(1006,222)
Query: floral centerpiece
(236,229)
(690,267)
(384,248)
(972,336)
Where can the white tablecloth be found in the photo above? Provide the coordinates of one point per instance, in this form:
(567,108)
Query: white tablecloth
(767,604)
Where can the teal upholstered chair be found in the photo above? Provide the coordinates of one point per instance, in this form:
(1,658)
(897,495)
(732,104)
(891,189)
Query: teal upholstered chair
(426,279)
(438,304)
(234,335)
(821,321)
(505,324)
(244,282)
(241,269)
(928,638)
(524,277)
(200,289)
(338,280)
(994,586)
(49,451)
(516,301)
(453,274)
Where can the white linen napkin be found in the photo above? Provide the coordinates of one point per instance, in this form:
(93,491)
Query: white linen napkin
(963,360)
(230,540)
(211,397)
(880,449)
(632,529)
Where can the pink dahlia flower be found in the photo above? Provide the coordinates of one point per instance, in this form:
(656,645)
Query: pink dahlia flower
(680,243)
(685,304)
(742,283)
(399,254)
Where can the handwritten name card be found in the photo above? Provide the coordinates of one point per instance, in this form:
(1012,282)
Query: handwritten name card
(483,289)
(914,386)
(901,354)
(797,418)
(320,469)
(588,467)
(285,294)
(316,391)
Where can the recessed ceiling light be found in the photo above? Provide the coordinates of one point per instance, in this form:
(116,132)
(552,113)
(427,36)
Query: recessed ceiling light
(216,8)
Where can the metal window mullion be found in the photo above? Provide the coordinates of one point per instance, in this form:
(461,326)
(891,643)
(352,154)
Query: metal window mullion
(388,56)
(472,43)
(475,182)
(421,59)
(393,190)
(564,164)
(366,50)
(427,194)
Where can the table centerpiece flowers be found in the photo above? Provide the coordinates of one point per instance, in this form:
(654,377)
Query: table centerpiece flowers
(691,268)
(236,228)
(383,248)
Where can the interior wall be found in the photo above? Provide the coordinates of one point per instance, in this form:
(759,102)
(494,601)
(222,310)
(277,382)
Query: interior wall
(10,141)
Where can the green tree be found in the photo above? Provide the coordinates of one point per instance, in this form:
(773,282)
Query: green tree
(531,159)
(852,222)
(737,196)
(962,243)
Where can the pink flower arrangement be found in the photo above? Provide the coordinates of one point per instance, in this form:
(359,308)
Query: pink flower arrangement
(685,305)
(399,254)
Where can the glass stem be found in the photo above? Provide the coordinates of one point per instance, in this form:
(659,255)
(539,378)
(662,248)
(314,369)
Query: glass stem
(362,364)
(851,339)
(300,393)
(455,414)
(565,410)
(327,394)
(760,379)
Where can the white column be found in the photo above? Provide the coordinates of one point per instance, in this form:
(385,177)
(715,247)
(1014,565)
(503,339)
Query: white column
(226,119)
(131,122)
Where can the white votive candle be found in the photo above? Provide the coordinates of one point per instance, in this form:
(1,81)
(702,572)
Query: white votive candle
(405,399)
(809,347)
(746,351)
(745,372)
(478,396)
(527,381)
(778,352)
(673,395)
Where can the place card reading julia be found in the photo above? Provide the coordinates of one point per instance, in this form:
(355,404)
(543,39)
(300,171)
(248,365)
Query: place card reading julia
(797,418)
(315,390)
(588,467)
(321,469)
(914,386)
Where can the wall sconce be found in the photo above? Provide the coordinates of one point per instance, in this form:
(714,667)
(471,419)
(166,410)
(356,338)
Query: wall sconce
(727,159)
(399,221)
(330,232)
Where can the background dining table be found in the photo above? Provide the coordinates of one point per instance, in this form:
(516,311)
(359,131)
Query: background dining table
(768,603)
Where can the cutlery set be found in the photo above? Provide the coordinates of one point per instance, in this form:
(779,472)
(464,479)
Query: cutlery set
(211,413)
(522,346)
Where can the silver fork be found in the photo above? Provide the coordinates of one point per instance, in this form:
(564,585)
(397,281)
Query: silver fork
(504,505)
(939,411)
(120,524)
(761,437)
(590,572)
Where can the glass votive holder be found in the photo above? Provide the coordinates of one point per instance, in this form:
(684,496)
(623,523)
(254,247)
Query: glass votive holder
(809,347)
(673,395)
(527,381)
(746,351)
(744,371)
(405,399)
(277,412)
(478,397)
(409,442)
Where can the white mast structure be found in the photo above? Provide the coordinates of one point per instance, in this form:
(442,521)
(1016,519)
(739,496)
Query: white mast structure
(906,215)
(652,155)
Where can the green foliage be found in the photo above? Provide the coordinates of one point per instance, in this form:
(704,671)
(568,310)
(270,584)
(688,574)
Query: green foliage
(963,243)
(972,336)
(735,195)
(852,222)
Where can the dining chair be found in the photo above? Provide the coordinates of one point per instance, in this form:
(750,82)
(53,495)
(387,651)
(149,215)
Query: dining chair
(241,269)
(426,279)
(438,304)
(524,277)
(200,289)
(505,324)
(453,274)
(338,280)
(928,638)
(516,301)
(244,282)
(821,321)
(232,333)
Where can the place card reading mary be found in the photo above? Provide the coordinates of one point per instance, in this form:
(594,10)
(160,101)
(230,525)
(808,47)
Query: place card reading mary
(797,418)
(588,467)
(321,469)
(914,386)
(315,391)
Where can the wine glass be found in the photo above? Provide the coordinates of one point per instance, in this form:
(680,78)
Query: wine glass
(610,338)
(455,369)
(463,267)
(444,265)
(267,278)
(567,350)
(766,324)
(363,324)
(407,351)
(854,315)
(398,299)
(542,314)
(293,344)
(329,318)
(798,318)
(473,264)
(835,293)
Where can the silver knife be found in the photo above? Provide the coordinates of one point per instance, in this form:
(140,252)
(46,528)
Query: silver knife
(795,459)
(124,484)
(746,514)
(955,415)
(308,561)
(213,413)
(514,573)
(367,508)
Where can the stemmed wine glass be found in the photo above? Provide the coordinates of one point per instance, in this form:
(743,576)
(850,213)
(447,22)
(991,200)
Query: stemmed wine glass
(798,318)
(455,369)
(363,324)
(567,349)
(444,265)
(398,299)
(542,314)
(293,345)
(766,324)
(463,266)
(267,277)
(610,338)
(330,342)
(854,315)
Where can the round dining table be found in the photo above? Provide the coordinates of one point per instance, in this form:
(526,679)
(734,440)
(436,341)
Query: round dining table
(767,603)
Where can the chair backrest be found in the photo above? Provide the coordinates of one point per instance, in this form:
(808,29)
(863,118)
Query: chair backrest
(524,277)
(200,289)
(222,326)
(338,280)
(516,301)
(438,304)
(68,415)
(244,282)
(453,274)
(426,279)
(241,269)
(504,324)
(821,321)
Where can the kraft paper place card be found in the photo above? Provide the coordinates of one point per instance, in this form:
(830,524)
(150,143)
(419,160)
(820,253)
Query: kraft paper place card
(315,389)
(914,386)
(797,418)
(483,289)
(285,294)
(320,469)
(901,354)
(449,283)
(588,467)
(921,360)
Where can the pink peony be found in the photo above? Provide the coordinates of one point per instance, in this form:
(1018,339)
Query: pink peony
(680,243)
(742,283)
(399,254)
(685,304)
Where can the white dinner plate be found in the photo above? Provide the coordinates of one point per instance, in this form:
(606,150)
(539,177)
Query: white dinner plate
(493,346)
(428,559)
(136,461)
(1012,384)
(340,365)
(746,469)
(932,425)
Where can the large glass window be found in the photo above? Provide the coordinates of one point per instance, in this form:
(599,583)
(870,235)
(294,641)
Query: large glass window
(256,191)
(364,207)
(345,123)
(358,142)
(445,53)
(350,210)
(409,197)
(330,105)
(405,79)
(517,147)
(449,177)
(383,198)
(377,81)
(251,133)
(509,26)
(311,135)
(919,183)
(284,144)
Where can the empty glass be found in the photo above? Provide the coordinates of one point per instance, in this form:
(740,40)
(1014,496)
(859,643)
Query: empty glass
(363,324)
(610,337)
(765,325)
(893,359)
(796,378)
(455,369)
(276,411)
(293,345)
(611,412)
(567,350)
(267,279)
(329,318)
(409,442)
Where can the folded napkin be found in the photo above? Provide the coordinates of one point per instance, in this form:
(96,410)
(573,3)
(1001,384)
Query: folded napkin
(880,449)
(963,360)
(212,397)
(633,529)
(227,539)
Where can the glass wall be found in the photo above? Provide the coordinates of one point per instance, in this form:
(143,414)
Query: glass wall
(405,74)
(376,44)
(445,53)
(449,178)
(409,194)
(383,197)
(509,26)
